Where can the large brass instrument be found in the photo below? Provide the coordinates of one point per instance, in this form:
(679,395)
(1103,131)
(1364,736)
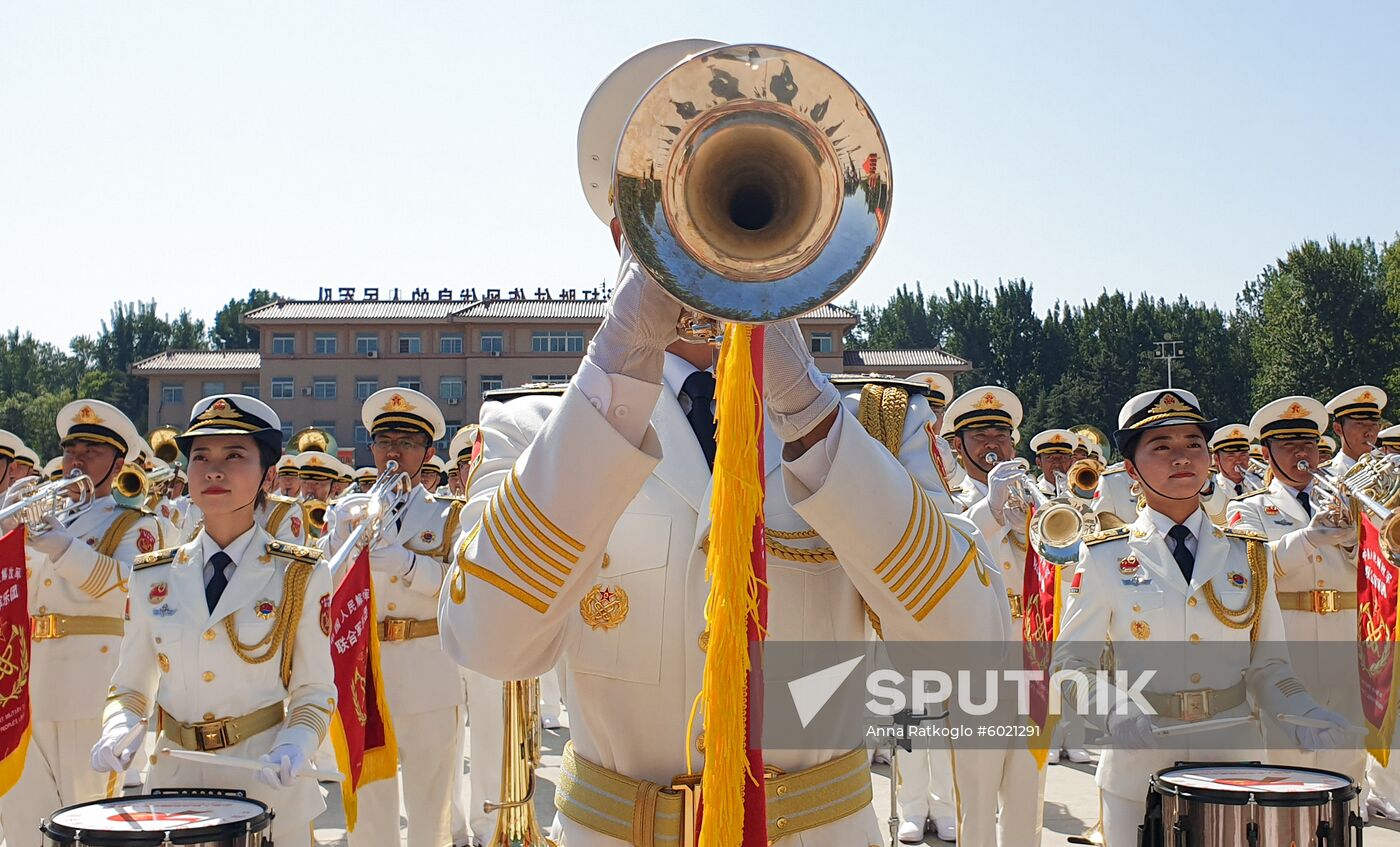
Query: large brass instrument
(516,825)
(1057,527)
(135,487)
(1372,484)
(1084,478)
(315,512)
(313,439)
(752,182)
(371,513)
(163,444)
(34,502)
(1095,434)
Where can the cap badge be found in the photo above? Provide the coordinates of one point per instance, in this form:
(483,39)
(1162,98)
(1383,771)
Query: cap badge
(1169,403)
(398,404)
(988,401)
(86,415)
(1294,412)
(220,408)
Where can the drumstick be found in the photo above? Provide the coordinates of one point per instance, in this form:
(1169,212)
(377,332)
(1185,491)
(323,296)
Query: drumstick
(1201,726)
(136,732)
(246,764)
(1314,723)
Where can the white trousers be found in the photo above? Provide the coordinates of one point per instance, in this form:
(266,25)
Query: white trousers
(428,745)
(1121,818)
(485,726)
(926,783)
(1001,797)
(56,773)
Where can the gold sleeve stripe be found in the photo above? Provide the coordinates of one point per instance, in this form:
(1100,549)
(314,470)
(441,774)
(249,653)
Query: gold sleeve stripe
(98,581)
(505,585)
(947,583)
(940,558)
(530,504)
(131,701)
(502,506)
(938,555)
(511,505)
(1291,686)
(510,563)
(497,534)
(917,518)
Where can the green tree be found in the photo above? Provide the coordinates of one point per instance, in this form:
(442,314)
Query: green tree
(229,332)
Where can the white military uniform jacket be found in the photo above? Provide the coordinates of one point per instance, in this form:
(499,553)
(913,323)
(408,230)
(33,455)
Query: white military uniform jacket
(1115,494)
(971,492)
(418,675)
(69,675)
(570,509)
(178,656)
(281,517)
(1128,589)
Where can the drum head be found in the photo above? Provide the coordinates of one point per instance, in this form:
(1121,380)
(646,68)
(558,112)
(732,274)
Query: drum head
(146,820)
(1267,785)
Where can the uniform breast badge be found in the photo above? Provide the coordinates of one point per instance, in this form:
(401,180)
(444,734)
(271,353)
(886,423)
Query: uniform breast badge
(1141,631)
(265,609)
(325,615)
(1129,565)
(603,607)
(159,591)
(1238,580)
(428,536)
(1271,510)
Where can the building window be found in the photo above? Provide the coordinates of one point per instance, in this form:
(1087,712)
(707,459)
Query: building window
(284,345)
(210,388)
(325,344)
(821,342)
(172,392)
(287,430)
(283,388)
(549,378)
(410,343)
(251,389)
(493,342)
(323,388)
(367,345)
(361,436)
(556,341)
(416,383)
(450,389)
(450,344)
(450,429)
(491,383)
(364,388)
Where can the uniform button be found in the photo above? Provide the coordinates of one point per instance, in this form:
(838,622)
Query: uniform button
(700,742)
(392,607)
(1137,607)
(782,789)
(48,582)
(157,639)
(1191,601)
(780,823)
(1195,678)
(208,676)
(208,716)
(208,635)
(153,760)
(1322,583)
(393,579)
(102,649)
(621,411)
(704,641)
(1195,638)
(1006,566)
(43,610)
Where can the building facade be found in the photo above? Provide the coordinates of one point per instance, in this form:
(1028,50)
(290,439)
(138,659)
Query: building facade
(318,360)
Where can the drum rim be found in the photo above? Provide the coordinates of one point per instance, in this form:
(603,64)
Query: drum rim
(1222,797)
(260,823)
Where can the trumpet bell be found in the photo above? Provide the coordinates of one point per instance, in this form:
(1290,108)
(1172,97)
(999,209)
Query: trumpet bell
(752,182)
(1084,478)
(1059,527)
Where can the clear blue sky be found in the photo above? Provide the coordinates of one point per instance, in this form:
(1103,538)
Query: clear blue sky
(190,151)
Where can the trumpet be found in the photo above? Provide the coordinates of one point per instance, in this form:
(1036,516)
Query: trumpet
(382,506)
(135,487)
(1057,526)
(316,512)
(1083,478)
(34,503)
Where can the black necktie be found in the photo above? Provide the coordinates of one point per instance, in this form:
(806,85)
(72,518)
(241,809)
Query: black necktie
(219,581)
(1185,559)
(700,388)
(1239,488)
(1305,501)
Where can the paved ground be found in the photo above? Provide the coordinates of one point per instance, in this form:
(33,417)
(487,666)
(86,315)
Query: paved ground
(1071,804)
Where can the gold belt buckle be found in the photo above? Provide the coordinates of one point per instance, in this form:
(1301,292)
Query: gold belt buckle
(211,735)
(1324,600)
(688,786)
(1195,705)
(396,629)
(43,626)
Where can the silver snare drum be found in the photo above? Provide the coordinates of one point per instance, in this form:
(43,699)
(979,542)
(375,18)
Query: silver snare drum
(1250,805)
(195,818)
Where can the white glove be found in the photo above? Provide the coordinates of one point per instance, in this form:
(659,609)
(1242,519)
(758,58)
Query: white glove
(1311,738)
(392,559)
(110,754)
(798,395)
(281,766)
(999,484)
(639,325)
(54,542)
(1324,531)
(1131,729)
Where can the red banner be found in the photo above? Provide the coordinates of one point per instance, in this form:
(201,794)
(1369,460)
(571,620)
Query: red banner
(1040,601)
(14,658)
(362,731)
(1377,581)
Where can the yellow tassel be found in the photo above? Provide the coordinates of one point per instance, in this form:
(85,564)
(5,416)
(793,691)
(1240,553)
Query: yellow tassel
(736,504)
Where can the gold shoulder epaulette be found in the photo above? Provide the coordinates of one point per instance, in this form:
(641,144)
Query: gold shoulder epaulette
(294,551)
(1246,534)
(158,557)
(1105,535)
(138,509)
(1250,493)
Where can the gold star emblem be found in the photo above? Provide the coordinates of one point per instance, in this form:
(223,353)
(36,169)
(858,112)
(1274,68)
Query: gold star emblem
(86,416)
(1169,403)
(1294,412)
(603,607)
(397,403)
(988,401)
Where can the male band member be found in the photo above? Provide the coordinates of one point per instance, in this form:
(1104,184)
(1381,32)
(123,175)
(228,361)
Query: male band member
(225,650)
(77,594)
(1388,439)
(982,421)
(1054,454)
(421,682)
(1315,571)
(9,445)
(318,472)
(365,477)
(1356,420)
(602,493)
(26,462)
(1183,599)
(53,469)
(1230,447)
(288,478)
(1326,448)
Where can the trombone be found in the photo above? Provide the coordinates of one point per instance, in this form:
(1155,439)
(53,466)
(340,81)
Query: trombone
(34,503)
(1057,526)
(382,505)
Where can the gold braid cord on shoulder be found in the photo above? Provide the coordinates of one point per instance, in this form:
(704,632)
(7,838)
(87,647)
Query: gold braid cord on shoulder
(882,411)
(275,515)
(283,634)
(1247,616)
(118,529)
